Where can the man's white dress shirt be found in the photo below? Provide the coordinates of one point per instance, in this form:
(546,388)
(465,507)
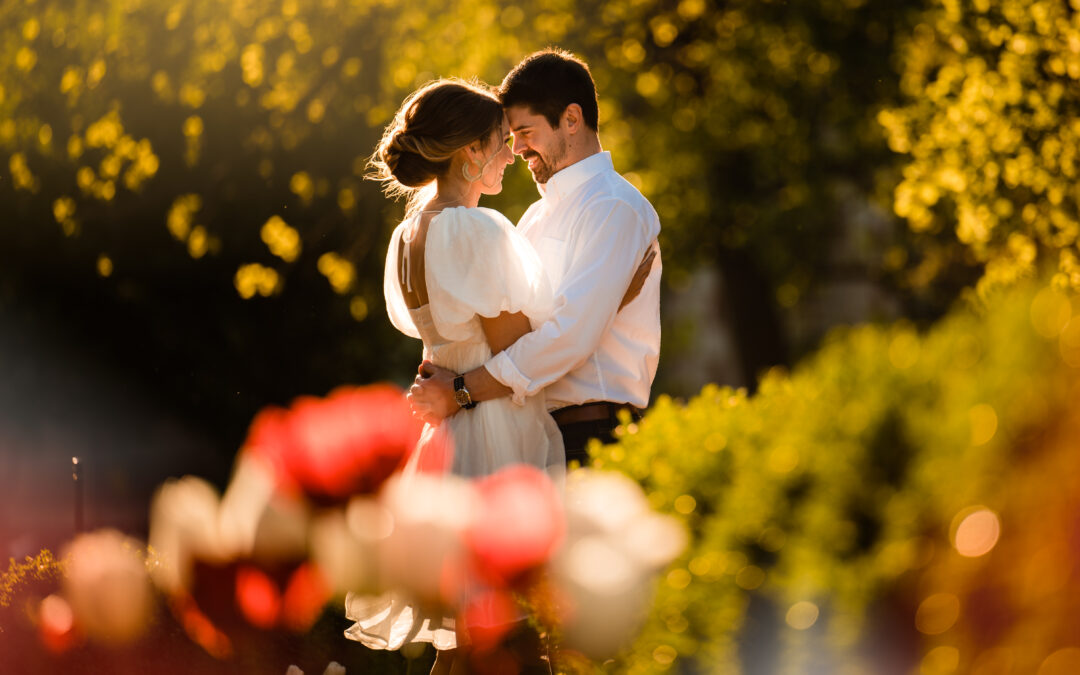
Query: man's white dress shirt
(591,229)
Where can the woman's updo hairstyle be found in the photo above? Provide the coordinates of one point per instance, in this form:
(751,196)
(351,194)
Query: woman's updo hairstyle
(433,123)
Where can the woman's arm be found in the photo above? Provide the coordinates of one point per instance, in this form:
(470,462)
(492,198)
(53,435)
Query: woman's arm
(504,330)
(432,393)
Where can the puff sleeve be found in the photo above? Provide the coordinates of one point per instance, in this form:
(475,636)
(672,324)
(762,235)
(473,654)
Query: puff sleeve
(395,302)
(478,264)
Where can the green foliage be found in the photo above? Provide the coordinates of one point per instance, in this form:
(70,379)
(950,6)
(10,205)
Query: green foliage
(990,129)
(169,152)
(750,125)
(820,491)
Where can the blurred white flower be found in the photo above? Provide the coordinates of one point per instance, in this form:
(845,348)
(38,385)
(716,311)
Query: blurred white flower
(183,527)
(281,532)
(107,586)
(246,498)
(189,522)
(605,572)
(424,555)
(344,545)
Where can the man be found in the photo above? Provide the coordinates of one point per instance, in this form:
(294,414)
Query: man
(591,229)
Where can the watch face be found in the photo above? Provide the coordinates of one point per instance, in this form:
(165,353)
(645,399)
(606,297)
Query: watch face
(462,397)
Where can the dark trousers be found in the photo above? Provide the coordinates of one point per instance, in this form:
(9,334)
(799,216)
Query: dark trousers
(576,434)
(576,437)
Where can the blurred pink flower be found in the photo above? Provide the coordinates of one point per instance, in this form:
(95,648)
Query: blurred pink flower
(335,447)
(107,586)
(518,525)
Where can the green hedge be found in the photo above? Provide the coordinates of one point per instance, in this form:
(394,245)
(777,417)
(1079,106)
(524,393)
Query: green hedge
(832,481)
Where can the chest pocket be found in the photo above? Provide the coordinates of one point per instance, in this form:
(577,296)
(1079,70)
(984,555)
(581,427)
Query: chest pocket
(552,253)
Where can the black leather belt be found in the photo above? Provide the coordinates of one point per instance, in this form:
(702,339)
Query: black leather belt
(593,411)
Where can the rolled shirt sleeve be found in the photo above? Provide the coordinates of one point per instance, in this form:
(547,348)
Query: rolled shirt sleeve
(586,301)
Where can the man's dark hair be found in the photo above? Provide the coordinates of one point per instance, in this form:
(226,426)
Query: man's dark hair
(547,82)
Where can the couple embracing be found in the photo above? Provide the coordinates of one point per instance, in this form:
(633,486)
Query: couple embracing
(534,337)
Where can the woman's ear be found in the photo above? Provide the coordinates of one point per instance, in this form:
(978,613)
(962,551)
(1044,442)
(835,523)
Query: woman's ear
(474,150)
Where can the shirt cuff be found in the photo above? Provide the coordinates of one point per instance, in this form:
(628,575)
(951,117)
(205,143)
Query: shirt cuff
(503,369)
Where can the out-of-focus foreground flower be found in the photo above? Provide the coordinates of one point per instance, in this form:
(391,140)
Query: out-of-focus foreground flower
(106,593)
(254,543)
(318,507)
(335,447)
(604,574)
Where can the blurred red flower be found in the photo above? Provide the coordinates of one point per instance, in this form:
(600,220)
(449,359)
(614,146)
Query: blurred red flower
(518,526)
(306,593)
(258,597)
(264,605)
(488,616)
(57,628)
(335,447)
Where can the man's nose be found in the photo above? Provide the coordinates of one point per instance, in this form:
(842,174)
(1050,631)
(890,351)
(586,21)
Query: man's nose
(519,147)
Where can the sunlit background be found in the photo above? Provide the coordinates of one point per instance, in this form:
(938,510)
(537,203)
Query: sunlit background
(864,412)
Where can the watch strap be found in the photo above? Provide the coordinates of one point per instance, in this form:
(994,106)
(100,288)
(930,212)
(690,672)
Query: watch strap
(461,394)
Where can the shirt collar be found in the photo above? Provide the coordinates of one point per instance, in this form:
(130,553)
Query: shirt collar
(574,176)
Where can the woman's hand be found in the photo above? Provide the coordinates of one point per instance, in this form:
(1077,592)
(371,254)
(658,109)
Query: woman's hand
(640,275)
(431,396)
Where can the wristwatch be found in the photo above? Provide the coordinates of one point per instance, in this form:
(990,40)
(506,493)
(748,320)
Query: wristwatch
(461,394)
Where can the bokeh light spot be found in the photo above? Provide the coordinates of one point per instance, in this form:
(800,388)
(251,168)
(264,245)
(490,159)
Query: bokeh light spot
(940,661)
(685,504)
(975,531)
(1050,312)
(358,308)
(802,615)
(678,579)
(664,655)
(749,577)
(104,265)
(984,423)
(937,613)
(783,459)
(904,350)
(1062,662)
(512,16)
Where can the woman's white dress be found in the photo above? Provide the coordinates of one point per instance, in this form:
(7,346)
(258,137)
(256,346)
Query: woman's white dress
(476,264)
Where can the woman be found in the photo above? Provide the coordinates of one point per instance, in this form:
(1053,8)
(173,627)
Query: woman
(460,278)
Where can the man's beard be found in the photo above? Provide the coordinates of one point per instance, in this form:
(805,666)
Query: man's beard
(546,168)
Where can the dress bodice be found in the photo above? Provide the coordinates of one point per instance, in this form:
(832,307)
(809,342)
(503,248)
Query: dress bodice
(460,355)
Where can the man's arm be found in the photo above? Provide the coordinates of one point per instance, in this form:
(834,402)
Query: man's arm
(615,238)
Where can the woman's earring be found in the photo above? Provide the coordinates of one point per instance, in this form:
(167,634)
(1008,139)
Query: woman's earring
(465,172)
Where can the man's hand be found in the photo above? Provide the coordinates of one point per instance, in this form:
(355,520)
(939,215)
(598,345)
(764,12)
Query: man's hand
(640,275)
(432,393)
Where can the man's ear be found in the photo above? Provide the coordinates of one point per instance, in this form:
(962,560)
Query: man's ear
(572,118)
